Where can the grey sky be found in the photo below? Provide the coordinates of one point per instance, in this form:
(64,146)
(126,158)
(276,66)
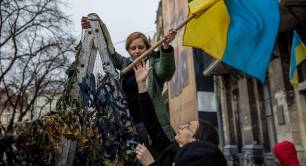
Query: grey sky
(120,16)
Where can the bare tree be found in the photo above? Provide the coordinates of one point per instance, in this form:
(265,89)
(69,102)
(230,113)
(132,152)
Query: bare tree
(35,47)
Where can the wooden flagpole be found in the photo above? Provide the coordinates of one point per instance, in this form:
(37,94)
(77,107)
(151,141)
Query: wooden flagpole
(157,44)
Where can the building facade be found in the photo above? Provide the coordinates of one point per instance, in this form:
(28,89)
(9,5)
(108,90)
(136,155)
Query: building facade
(12,109)
(190,95)
(251,116)
(255,115)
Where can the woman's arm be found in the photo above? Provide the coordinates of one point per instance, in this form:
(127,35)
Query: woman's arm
(119,61)
(149,118)
(164,66)
(148,115)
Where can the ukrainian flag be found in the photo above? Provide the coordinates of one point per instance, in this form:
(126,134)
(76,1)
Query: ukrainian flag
(247,42)
(298,55)
(208,31)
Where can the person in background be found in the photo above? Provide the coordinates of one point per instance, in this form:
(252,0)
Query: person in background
(198,136)
(199,154)
(286,154)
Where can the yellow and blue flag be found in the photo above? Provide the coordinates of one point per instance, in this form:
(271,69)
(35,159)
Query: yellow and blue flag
(250,36)
(298,55)
(208,31)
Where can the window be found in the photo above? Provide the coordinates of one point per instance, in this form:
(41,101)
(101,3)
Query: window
(302,71)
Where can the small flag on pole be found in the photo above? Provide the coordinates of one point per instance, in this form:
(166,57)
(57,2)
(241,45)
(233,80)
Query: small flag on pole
(298,55)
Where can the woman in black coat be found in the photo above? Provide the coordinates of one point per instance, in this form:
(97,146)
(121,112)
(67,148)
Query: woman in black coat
(199,134)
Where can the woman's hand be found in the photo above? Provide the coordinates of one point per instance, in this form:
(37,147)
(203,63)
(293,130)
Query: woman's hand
(143,155)
(169,37)
(141,74)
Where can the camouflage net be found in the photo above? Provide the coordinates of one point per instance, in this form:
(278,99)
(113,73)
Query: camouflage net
(98,131)
(91,124)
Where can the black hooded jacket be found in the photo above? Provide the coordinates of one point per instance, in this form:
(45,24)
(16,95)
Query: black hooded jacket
(195,153)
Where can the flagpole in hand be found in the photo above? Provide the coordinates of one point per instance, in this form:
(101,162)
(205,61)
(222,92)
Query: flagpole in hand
(202,6)
(157,44)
